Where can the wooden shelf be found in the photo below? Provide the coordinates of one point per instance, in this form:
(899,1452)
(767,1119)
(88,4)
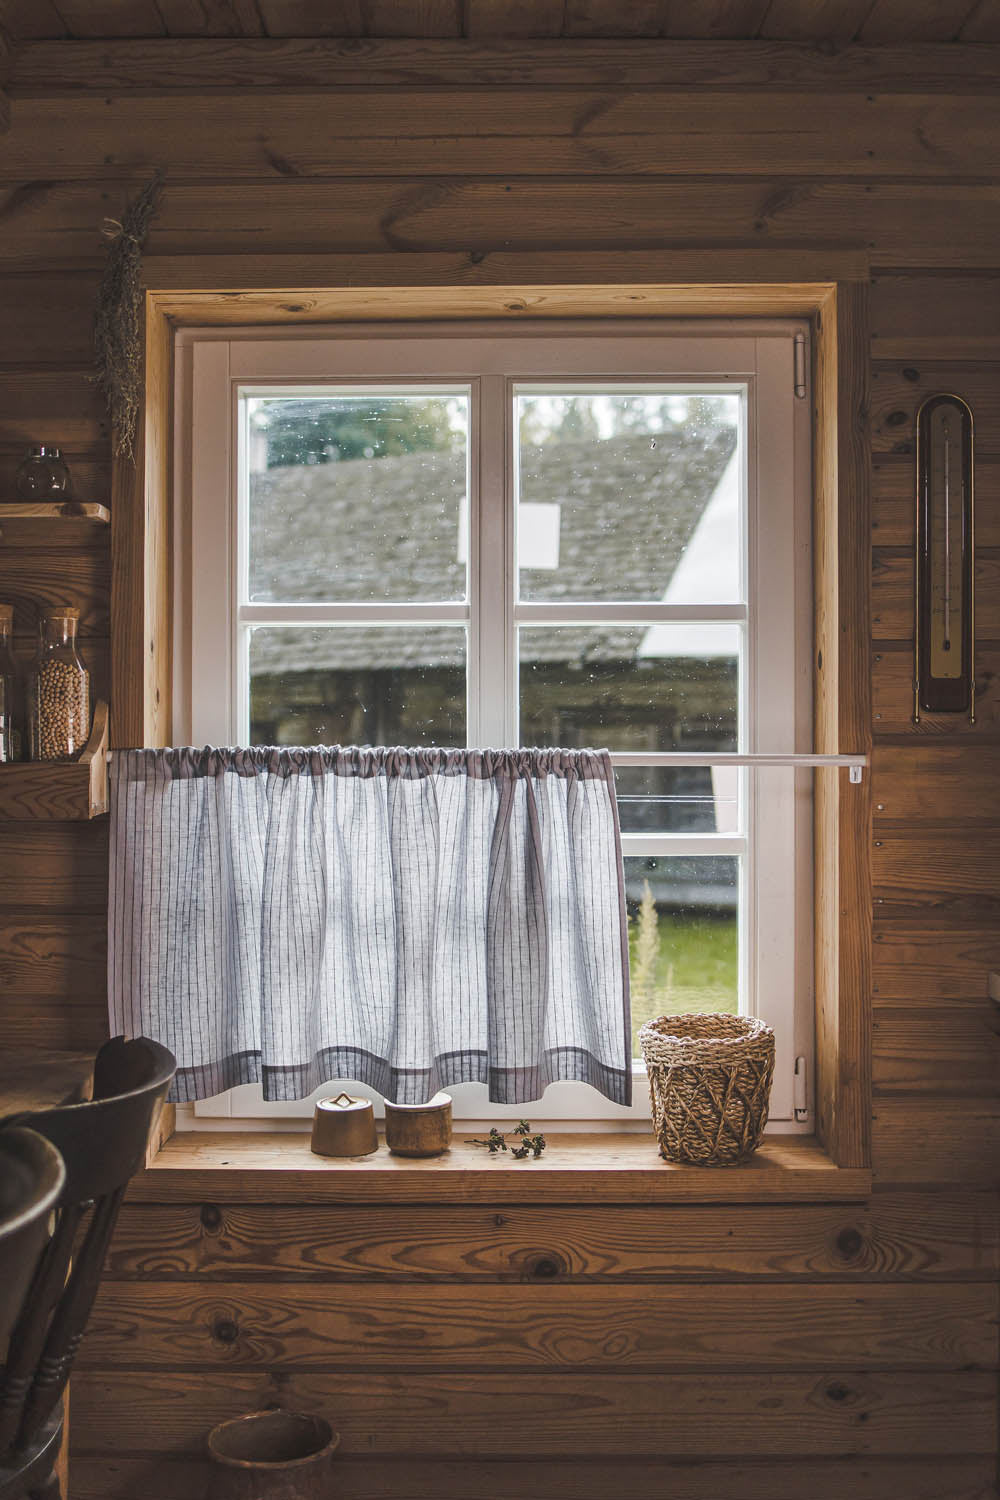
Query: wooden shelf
(68,523)
(76,789)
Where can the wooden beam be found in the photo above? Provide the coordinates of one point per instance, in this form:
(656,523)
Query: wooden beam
(843,887)
(562,135)
(6,64)
(187,65)
(140,552)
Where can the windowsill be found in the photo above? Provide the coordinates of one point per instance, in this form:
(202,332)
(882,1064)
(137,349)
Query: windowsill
(619,1168)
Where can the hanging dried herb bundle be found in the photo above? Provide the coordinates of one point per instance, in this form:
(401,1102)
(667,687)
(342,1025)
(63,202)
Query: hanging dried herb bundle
(118,330)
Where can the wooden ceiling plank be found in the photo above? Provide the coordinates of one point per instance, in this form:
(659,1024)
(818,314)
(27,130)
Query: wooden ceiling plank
(102,18)
(710,20)
(306,18)
(286,63)
(6,57)
(983,23)
(912,225)
(412,18)
(210,18)
(514,18)
(488,134)
(33,20)
(610,18)
(893,21)
(834,21)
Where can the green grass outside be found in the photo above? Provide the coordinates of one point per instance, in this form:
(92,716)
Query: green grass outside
(696,968)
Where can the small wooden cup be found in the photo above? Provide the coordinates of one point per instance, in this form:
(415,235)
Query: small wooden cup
(344,1126)
(277,1453)
(419,1129)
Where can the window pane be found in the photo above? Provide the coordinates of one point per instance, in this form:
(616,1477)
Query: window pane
(684,944)
(629,496)
(356,498)
(646,687)
(357,685)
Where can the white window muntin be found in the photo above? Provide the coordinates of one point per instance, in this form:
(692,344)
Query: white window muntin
(216,367)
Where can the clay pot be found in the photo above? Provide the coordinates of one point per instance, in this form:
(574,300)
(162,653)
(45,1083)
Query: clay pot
(271,1455)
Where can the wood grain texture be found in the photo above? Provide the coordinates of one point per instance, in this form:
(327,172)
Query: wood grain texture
(898,390)
(62,865)
(895,224)
(954,1142)
(532,1328)
(890,21)
(122,1478)
(264,1168)
(935,317)
(939,783)
(61,407)
(833,21)
(40,581)
(842,719)
(507,287)
(920,961)
(828,1413)
(59,1022)
(925,874)
(48,319)
(49,954)
(937,1050)
(486,133)
(141,563)
(954,1237)
(308,61)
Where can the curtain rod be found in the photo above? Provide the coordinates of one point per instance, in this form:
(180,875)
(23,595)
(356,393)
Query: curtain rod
(854,763)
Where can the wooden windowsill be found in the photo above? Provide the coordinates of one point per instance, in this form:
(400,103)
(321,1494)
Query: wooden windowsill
(280,1168)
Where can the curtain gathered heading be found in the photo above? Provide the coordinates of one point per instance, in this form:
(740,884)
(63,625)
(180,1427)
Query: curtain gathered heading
(408,919)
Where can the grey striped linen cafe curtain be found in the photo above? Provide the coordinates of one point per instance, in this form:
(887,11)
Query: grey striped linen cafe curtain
(408,919)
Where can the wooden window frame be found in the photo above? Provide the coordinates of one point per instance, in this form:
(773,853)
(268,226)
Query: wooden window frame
(644,285)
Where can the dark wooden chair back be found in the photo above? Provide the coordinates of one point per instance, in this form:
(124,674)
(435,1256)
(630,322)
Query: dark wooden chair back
(102,1142)
(32,1177)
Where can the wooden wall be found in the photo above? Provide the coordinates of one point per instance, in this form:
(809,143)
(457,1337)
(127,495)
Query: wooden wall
(708,1353)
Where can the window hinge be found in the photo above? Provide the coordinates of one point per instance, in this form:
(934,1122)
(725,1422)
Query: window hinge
(800,1102)
(799,355)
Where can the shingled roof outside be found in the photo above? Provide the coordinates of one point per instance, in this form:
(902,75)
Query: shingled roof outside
(387,530)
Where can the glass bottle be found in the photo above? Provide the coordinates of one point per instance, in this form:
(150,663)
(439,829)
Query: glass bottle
(43,475)
(58,691)
(10,729)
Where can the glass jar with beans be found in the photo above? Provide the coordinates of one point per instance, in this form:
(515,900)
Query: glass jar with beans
(58,691)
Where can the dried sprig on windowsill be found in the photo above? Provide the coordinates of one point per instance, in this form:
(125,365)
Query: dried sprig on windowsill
(529,1145)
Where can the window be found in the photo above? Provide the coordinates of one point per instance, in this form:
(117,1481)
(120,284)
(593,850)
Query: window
(595,535)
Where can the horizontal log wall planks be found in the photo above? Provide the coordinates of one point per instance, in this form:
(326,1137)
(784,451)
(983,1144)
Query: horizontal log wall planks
(696,1350)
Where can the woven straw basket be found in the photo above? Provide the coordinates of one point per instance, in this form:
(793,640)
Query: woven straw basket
(709,1082)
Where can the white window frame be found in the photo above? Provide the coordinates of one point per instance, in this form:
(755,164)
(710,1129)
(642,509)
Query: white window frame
(214,365)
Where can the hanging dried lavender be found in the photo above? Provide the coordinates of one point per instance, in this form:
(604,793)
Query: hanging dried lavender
(118,322)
